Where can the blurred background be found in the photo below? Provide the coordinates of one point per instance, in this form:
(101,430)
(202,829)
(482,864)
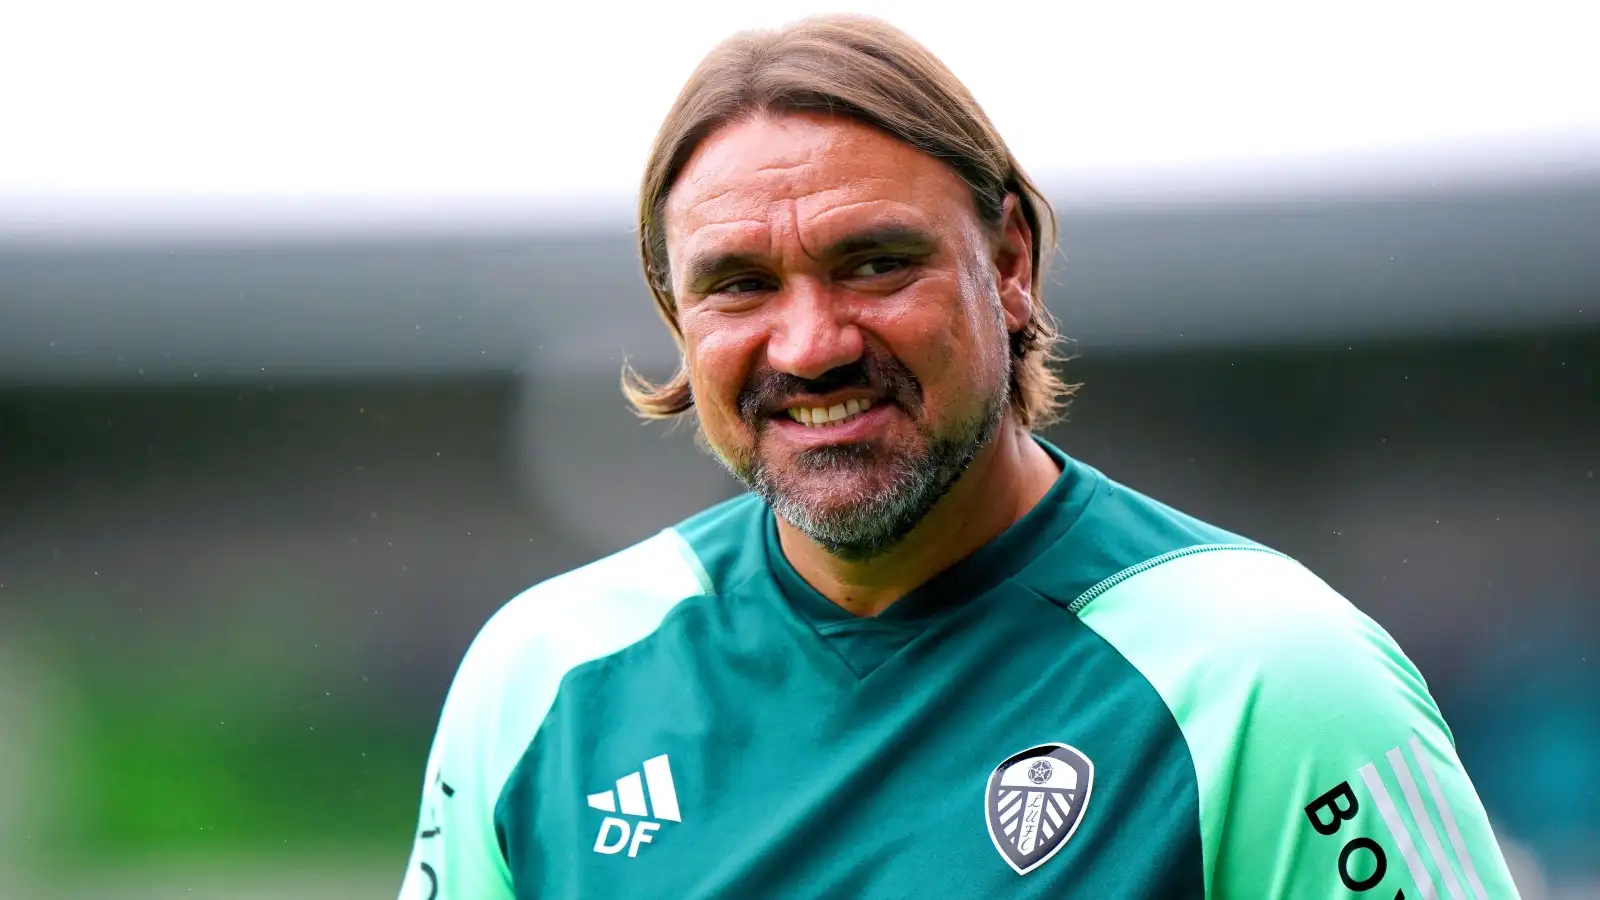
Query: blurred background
(311,319)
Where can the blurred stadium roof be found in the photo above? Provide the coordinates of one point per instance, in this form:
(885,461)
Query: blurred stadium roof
(201,192)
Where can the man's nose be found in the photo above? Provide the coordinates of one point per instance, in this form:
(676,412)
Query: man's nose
(813,334)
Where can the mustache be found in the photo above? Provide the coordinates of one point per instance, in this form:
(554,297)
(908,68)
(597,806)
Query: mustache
(768,391)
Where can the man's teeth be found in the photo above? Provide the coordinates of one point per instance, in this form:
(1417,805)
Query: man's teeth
(819,416)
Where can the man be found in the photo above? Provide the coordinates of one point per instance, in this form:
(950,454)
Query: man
(928,655)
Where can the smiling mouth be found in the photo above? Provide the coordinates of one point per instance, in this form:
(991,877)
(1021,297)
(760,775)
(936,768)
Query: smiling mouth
(828,416)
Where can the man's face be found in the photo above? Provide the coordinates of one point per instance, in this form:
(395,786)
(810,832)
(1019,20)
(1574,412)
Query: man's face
(845,318)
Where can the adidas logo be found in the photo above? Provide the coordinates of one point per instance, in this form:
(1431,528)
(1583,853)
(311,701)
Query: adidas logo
(629,799)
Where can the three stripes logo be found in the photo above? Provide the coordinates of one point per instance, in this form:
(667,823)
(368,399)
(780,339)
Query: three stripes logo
(1363,861)
(629,799)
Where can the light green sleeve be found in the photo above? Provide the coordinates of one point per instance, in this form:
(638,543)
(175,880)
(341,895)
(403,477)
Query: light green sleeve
(1324,767)
(502,691)
(456,854)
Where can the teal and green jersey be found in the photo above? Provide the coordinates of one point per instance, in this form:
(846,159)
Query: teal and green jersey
(1112,700)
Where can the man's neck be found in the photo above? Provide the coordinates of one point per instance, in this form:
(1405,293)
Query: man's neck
(1006,480)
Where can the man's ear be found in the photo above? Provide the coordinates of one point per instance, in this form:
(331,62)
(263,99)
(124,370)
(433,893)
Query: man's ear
(1013,264)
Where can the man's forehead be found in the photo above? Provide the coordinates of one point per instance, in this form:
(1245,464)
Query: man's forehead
(816,164)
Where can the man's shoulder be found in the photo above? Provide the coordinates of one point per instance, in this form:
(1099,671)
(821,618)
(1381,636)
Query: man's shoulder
(1113,533)
(602,606)
(1133,564)
(1244,590)
(589,612)
(1251,617)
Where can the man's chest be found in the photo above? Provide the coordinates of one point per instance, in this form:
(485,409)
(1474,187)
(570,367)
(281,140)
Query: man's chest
(955,770)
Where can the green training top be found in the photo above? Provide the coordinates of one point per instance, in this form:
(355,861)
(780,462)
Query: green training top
(1110,700)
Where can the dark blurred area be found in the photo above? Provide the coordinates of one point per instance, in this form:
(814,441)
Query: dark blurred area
(255,500)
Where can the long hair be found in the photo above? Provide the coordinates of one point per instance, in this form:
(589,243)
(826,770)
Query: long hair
(871,71)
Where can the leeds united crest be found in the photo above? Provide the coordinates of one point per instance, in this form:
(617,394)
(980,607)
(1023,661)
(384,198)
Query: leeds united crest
(1034,802)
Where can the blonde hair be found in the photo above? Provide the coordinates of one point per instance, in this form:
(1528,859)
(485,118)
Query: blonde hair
(870,71)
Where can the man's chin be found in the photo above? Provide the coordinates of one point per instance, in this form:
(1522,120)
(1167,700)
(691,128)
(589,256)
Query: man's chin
(830,512)
(851,531)
(854,512)
(833,486)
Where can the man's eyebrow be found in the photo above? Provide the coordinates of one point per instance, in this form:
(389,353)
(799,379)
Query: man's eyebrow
(888,238)
(701,272)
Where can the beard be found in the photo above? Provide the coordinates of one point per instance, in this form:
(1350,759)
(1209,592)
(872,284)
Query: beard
(876,492)
(874,518)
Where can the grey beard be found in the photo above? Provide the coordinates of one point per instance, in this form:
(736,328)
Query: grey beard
(878,520)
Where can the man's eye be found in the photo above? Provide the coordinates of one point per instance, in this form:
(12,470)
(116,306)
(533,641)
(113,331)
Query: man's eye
(746,285)
(879,265)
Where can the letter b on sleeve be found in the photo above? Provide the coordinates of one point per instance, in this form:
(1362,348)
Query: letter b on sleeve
(1332,809)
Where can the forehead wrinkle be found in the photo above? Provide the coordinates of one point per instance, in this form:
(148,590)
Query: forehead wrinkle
(779,168)
(698,201)
(738,201)
(713,179)
(899,207)
(824,229)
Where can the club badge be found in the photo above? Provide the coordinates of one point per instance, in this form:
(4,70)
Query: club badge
(1034,802)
